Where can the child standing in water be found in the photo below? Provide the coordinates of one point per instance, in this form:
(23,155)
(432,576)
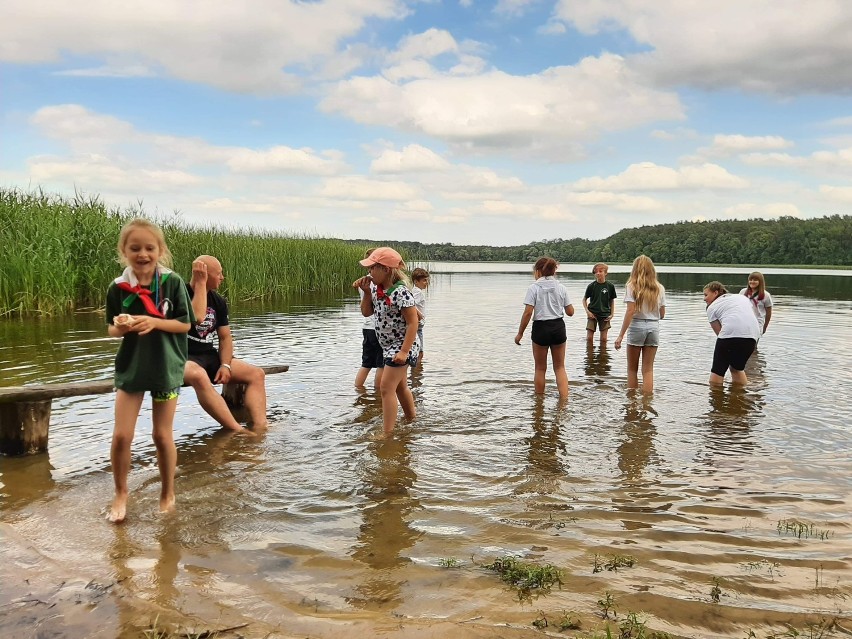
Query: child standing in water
(645,298)
(545,303)
(371,350)
(388,298)
(599,302)
(148,307)
(420,279)
(760,297)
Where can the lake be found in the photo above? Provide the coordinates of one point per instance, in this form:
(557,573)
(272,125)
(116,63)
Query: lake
(734,506)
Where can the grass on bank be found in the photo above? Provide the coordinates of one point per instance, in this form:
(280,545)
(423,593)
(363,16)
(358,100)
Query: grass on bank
(60,254)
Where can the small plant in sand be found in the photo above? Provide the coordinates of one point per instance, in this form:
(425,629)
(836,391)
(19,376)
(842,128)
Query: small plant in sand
(802,529)
(613,562)
(526,578)
(606,604)
(449,562)
(716,590)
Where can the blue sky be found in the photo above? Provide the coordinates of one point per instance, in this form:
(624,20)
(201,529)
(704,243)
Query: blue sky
(466,122)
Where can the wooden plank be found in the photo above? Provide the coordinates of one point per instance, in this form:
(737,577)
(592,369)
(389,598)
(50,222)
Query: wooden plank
(41,392)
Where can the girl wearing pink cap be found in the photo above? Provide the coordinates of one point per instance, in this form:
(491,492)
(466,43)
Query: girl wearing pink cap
(388,298)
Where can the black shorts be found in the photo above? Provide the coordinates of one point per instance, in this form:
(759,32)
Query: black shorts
(209,361)
(371,350)
(549,332)
(731,352)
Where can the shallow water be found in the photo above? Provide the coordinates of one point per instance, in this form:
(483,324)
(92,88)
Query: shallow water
(322,529)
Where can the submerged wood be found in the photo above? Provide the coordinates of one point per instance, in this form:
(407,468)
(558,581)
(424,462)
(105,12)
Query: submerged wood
(25,410)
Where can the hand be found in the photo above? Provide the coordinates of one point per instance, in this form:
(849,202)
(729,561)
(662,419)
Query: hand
(518,338)
(199,271)
(401,357)
(144,324)
(223,376)
(618,343)
(363,283)
(590,315)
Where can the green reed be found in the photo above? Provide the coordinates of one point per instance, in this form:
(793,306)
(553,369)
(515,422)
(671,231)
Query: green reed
(60,254)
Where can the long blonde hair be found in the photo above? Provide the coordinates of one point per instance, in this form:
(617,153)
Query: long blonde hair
(156,231)
(644,284)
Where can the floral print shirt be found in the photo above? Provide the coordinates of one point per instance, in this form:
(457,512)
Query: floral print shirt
(390,323)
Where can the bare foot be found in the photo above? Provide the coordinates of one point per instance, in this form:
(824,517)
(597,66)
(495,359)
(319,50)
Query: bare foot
(118,510)
(167,504)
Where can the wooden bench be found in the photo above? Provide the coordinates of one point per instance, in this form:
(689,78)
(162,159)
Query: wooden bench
(25,410)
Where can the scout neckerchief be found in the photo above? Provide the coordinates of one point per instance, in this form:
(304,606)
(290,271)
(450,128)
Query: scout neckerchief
(749,293)
(383,294)
(128,282)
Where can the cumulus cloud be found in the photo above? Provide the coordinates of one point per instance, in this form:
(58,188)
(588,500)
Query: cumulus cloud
(773,209)
(647,176)
(831,161)
(557,108)
(226,45)
(760,45)
(414,158)
(361,188)
(725,145)
(837,193)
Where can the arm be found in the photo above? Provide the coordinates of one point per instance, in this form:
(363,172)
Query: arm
(768,317)
(199,290)
(611,309)
(117,331)
(525,319)
(410,315)
(662,312)
(589,314)
(569,310)
(226,354)
(716,325)
(628,317)
(144,324)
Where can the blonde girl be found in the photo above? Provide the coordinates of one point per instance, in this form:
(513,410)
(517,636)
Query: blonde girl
(387,297)
(760,297)
(149,309)
(645,298)
(545,303)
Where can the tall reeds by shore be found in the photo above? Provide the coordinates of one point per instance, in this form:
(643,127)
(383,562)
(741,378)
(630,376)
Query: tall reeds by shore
(59,254)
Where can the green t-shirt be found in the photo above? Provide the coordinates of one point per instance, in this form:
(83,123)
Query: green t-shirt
(152,362)
(600,296)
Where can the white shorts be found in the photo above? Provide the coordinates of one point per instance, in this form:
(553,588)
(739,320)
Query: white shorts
(643,332)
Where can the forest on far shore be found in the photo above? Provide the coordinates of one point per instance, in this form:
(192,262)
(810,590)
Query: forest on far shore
(824,241)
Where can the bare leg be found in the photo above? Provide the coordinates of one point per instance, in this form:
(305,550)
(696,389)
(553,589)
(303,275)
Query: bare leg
(540,357)
(738,377)
(649,354)
(391,379)
(255,380)
(211,401)
(164,440)
(361,377)
(716,380)
(633,353)
(127,407)
(378,380)
(590,336)
(604,334)
(406,399)
(557,354)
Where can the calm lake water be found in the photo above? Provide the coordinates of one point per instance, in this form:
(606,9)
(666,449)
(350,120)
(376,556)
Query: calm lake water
(322,529)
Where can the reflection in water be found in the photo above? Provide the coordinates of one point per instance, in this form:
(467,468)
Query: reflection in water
(545,469)
(166,566)
(635,452)
(24,480)
(734,411)
(385,531)
(597,362)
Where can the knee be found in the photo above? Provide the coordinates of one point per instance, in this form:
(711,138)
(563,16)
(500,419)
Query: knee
(195,376)
(258,376)
(163,439)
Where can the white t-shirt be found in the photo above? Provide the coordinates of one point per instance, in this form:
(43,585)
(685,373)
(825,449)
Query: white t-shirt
(759,306)
(548,297)
(648,314)
(736,315)
(369,322)
(420,302)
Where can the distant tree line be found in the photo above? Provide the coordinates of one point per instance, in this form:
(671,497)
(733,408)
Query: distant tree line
(788,240)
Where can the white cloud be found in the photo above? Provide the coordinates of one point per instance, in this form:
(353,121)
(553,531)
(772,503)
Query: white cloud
(412,159)
(95,173)
(230,46)
(837,193)
(361,188)
(132,71)
(773,209)
(725,145)
(427,45)
(829,161)
(618,201)
(282,159)
(554,109)
(513,7)
(647,176)
(760,45)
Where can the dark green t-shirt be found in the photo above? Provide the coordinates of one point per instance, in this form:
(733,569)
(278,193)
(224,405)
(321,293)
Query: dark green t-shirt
(152,362)
(599,296)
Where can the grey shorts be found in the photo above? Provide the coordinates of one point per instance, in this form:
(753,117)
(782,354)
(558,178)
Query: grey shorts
(643,332)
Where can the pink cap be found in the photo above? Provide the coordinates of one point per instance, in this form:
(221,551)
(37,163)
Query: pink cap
(385,256)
